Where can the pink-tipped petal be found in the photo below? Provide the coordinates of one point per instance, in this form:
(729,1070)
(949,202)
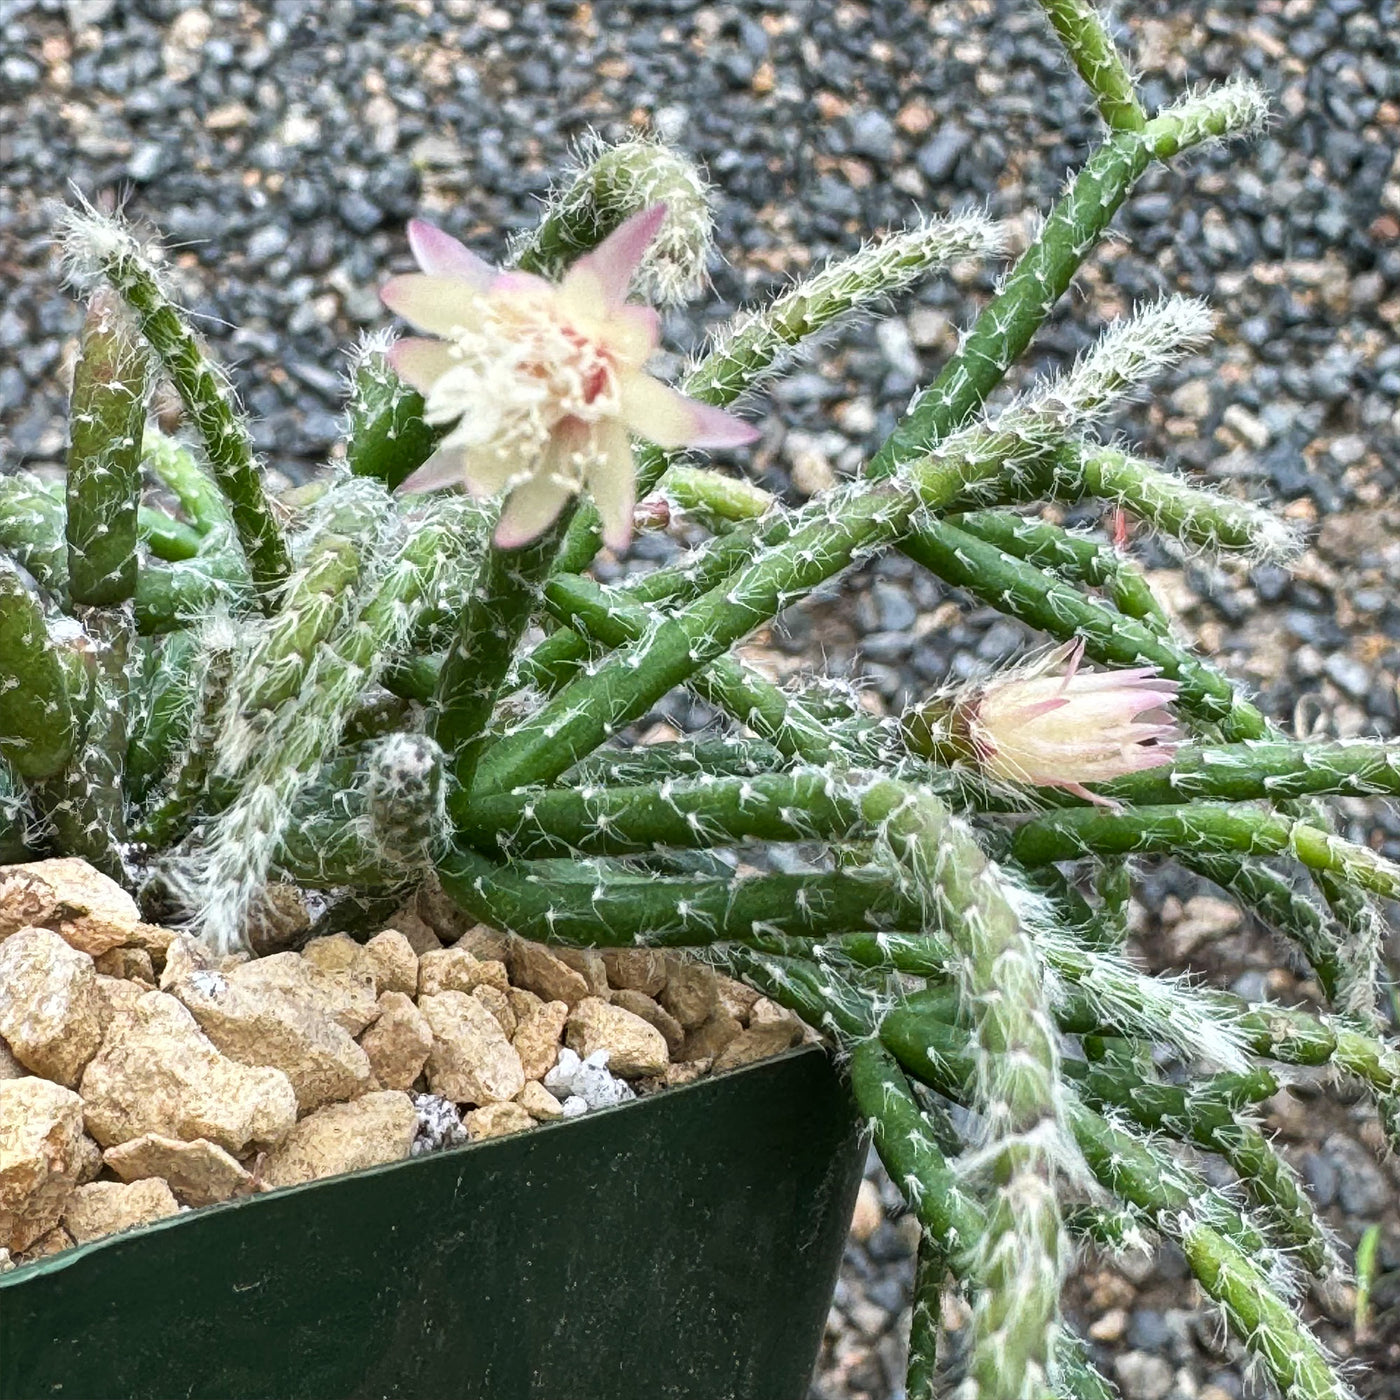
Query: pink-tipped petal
(420,363)
(438,305)
(715,428)
(441,469)
(660,414)
(612,483)
(441,255)
(530,510)
(614,262)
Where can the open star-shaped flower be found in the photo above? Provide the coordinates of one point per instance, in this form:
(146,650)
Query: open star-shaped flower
(543,382)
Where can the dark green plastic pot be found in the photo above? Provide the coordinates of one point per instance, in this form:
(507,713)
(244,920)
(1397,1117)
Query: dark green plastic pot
(684,1246)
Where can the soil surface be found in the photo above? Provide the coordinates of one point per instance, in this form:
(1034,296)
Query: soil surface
(281,147)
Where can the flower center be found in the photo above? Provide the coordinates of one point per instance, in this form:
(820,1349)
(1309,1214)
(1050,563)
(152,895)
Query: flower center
(521,372)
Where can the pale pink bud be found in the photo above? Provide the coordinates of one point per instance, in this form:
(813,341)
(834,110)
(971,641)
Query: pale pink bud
(1052,725)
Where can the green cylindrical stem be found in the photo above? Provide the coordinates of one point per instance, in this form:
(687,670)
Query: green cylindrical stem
(107,415)
(33,530)
(712,496)
(611,821)
(705,566)
(506,597)
(1085,35)
(313,605)
(201,703)
(1113,883)
(200,498)
(14,818)
(1203,828)
(1095,989)
(208,398)
(1273,900)
(613,618)
(85,806)
(617,182)
(167,538)
(1113,1228)
(584,714)
(581,904)
(909,1150)
(1075,1376)
(1207,1113)
(172,596)
(1002,991)
(41,683)
(1043,274)
(1111,639)
(386,436)
(1268,1327)
(1175,507)
(1134,1169)
(921,1381)
(163,710)
(1272,770)
(728,756)
(1072,557)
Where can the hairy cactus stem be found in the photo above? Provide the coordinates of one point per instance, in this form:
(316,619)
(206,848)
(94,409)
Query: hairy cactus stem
(98,246)
(1072,557)
(491,626)
(44,681)
(85,805)
(225,878)
(107,417)
(1042,276)
(175,466)
(1209,1114)
(1204,827)
(1084,33)
(178,804)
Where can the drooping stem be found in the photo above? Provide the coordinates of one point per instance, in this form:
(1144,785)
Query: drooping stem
(1210,829)
(1267,1326)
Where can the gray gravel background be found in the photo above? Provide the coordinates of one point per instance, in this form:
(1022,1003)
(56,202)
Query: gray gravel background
(280,148)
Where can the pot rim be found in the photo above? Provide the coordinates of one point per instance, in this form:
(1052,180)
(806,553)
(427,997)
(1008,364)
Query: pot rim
(78,1254)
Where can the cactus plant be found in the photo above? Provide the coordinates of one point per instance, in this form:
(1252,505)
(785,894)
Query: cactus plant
(341,689)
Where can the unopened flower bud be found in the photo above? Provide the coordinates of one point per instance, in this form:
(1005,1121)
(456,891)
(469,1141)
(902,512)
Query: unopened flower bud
(1049,724)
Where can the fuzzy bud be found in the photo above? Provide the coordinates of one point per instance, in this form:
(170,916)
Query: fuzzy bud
(613,182)
(403,787)
(1050,724)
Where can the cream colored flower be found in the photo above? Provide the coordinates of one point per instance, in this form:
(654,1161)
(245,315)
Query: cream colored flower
(542,381)
(1053,727)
